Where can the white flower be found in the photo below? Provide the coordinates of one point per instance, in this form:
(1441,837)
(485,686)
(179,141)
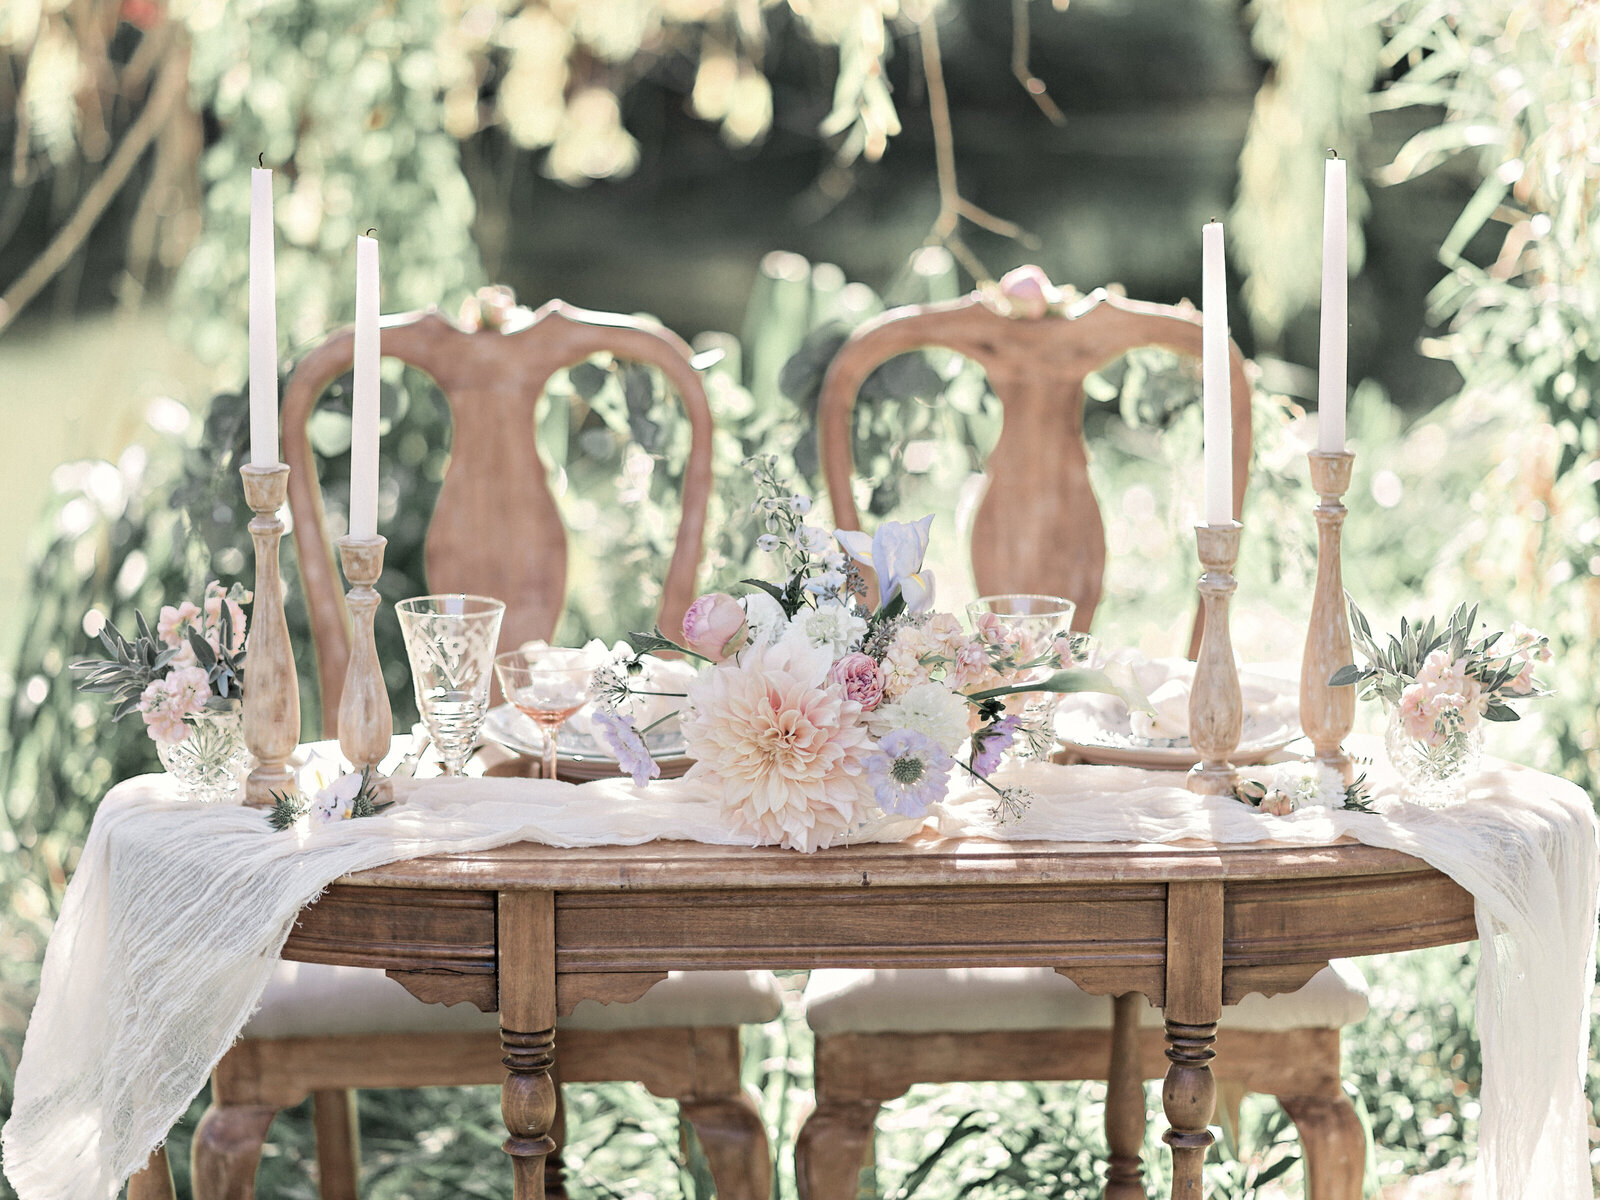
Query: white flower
(1306,785)
(814,539)
(334,802)
(1330,790)
(929,708)
(764,615)
(833,627)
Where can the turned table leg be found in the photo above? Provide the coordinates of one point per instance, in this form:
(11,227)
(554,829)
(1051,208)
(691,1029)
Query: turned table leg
(526,964)
(1194,1005)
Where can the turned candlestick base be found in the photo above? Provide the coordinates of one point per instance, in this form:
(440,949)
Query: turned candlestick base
(1327,714)
(271,690)
(366,723)
(1216,707)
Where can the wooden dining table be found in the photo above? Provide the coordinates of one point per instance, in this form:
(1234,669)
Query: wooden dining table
(531,930)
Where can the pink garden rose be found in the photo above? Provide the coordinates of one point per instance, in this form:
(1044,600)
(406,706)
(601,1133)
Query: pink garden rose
(715,626)
(861,678)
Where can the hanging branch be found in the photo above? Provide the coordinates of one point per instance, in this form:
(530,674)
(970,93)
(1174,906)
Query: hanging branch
(952,208)
(170,88)
(1031,83)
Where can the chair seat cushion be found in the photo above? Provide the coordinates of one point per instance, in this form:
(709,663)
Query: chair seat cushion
(313,1000)
(977,999)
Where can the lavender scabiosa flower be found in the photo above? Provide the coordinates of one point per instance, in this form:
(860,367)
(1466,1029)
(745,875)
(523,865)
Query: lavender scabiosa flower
(627,745)
(991,742)
(910,772)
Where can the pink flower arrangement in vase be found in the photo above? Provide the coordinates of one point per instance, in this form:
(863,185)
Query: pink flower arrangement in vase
(186,681)
(1440,684)
(813,712)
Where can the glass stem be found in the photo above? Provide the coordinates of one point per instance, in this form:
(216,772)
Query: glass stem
(549,769)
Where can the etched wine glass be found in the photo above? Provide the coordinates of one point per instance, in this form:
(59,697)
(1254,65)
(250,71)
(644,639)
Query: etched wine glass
(450,640)
(1037,621)
(547,684)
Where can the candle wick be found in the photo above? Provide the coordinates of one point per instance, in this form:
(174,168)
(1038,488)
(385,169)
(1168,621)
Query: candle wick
(1332,153)
(261,160)
(370,232)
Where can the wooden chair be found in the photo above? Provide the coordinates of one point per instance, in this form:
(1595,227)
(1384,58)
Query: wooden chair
(325,1030)
(877,1033)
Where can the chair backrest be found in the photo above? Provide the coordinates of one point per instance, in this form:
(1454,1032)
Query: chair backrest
(1039,528)
(496,529)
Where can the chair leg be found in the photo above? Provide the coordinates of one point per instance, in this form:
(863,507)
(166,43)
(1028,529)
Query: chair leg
(337,1125)
(1333,1142)
(227,1149)
(734,1139)
(1125,1111)
(153,1181)
(832,1147)
(555,1176)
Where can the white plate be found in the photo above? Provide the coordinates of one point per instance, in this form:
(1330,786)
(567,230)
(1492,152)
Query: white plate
(1094,728)
(574,743)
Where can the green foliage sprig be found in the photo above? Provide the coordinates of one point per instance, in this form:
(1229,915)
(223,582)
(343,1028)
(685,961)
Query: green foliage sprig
(133,664)
(1394,667)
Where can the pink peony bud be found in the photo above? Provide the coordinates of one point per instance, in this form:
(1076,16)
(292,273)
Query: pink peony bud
(715,626)
(861,678)
(1029,291)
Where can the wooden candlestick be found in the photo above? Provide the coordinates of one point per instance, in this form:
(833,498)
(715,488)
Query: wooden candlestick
(366,724)
(1216,708)
(1327,714)
(272,691)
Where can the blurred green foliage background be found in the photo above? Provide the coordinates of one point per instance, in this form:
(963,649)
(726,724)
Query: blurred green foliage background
(650,155)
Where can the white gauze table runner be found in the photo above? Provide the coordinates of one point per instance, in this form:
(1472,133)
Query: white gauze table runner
(177,913)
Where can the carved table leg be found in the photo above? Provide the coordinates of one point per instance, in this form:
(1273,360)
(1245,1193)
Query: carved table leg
(1125,1117)
(526,963)
(1194,1005)
(227,1149)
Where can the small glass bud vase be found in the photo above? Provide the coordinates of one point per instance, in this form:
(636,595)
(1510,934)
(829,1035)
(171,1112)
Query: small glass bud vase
(209,765)
(1433,774)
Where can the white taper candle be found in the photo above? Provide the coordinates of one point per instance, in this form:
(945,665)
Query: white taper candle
(1334,354)
(263,325)
(364,403)
(1216,399)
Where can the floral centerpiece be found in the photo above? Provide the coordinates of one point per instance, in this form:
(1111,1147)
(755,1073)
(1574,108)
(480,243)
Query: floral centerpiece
(1440,684)
(814,712)
(186,681)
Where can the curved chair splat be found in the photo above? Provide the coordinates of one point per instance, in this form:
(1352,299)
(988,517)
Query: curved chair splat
(496,483)
(1036,368)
